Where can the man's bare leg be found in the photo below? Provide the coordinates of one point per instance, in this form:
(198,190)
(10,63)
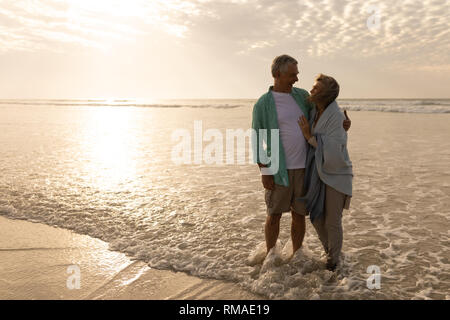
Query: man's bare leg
(298,228)
(272,229)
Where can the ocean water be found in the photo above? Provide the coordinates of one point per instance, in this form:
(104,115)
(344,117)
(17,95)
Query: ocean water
(382,105)
(105,169)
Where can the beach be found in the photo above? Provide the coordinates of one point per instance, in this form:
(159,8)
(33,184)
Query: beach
(37,260)
(143,227)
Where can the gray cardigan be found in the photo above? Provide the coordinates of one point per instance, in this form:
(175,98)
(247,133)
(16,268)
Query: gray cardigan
(327,163)
(332,159)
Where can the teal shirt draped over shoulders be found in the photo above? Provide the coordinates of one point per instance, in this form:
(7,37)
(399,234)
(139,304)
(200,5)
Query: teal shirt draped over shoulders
(265,117)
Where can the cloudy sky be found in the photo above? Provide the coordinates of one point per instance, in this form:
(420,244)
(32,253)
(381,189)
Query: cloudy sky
(221,49)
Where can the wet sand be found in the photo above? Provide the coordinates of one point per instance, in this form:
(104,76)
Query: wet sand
(36,262)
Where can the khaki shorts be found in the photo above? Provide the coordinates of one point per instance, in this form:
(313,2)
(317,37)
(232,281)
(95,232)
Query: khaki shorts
(283,199)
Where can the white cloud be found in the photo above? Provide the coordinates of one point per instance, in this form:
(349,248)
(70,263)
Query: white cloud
(186,37)
(409,30)
(320,28)
(49,23)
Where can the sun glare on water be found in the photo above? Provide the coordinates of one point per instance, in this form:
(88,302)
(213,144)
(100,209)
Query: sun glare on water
(109,147)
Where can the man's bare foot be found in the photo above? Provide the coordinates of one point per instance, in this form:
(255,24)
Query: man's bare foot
(290,258)
(257,256)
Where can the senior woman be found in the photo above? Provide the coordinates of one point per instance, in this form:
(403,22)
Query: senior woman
(328,176)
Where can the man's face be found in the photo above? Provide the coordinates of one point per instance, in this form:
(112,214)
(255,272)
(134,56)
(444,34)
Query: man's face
(289,77)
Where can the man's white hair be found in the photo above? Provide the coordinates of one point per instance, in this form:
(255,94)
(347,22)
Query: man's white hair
(280,64)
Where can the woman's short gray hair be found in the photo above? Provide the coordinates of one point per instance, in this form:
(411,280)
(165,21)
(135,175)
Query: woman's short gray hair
(281,63)
(329,92)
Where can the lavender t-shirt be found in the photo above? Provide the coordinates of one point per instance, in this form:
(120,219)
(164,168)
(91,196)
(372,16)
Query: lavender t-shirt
(294,144)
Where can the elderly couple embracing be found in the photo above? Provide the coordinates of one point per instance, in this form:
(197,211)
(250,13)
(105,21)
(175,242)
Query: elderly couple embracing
(313,172)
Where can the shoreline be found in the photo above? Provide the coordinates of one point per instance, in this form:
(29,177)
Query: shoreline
(44,262)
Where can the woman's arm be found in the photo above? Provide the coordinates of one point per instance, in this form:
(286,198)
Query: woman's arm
(312,141)
(304,126)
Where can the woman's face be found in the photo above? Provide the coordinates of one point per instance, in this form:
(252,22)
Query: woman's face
(317,88)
